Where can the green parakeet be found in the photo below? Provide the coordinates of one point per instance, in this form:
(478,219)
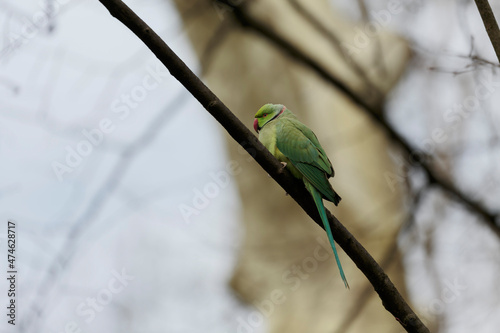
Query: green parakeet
(298,149)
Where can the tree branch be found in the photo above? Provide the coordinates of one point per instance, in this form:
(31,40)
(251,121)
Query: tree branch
(391,298)
(490,24)
(414,155)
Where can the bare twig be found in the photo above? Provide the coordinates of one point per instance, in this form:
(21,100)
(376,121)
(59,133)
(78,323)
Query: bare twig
(490,24)
(391,298)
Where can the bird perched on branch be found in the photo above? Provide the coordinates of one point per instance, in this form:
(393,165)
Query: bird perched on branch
(298,149)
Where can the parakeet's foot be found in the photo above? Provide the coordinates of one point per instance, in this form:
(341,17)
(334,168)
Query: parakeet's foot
(283,166)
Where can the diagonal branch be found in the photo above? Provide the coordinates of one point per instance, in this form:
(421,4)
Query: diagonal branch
(391,298)
(414,155)
(490,24)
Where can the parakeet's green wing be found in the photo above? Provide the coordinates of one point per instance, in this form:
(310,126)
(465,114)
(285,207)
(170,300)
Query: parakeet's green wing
(300,145)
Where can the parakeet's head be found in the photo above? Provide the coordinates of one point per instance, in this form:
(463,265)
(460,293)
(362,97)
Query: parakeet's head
(266,114)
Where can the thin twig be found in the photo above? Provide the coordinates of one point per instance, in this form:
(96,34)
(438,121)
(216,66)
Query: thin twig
(391,298)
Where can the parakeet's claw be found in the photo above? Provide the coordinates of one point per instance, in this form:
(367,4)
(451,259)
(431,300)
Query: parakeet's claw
(283,166)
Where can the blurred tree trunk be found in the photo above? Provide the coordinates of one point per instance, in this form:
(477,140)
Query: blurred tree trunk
(283,251)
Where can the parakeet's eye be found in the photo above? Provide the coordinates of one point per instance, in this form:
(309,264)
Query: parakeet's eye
(264,115)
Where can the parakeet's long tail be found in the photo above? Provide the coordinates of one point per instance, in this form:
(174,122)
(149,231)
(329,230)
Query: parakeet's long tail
(318,200)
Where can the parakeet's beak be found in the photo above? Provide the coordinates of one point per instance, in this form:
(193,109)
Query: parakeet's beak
(256,125)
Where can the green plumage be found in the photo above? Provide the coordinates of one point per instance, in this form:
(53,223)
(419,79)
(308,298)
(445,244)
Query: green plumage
(295,144)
